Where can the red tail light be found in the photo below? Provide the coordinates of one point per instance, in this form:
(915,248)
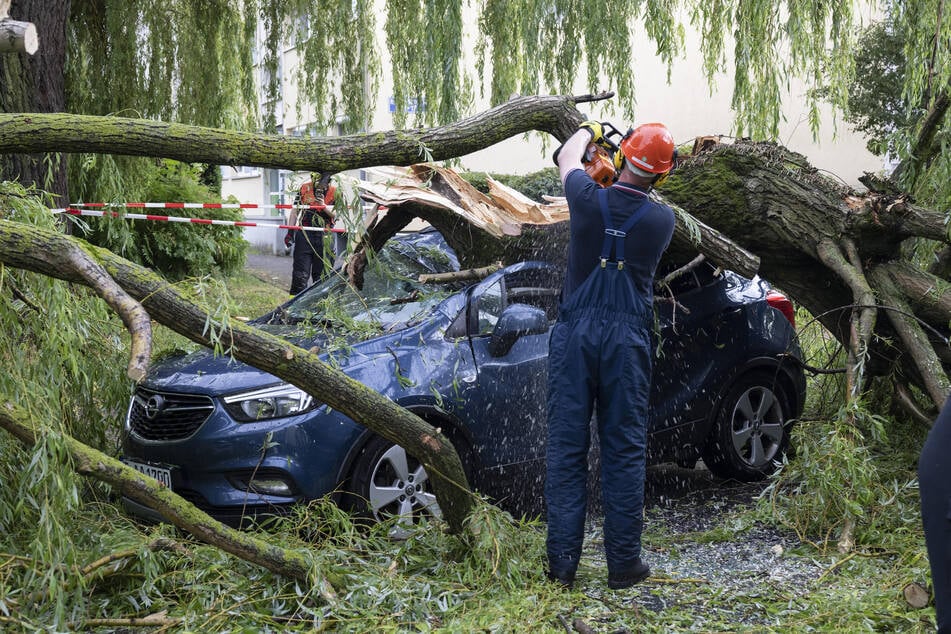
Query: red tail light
(781,303)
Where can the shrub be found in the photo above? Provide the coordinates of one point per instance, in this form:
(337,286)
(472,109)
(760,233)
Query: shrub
(544,182)
(176,250)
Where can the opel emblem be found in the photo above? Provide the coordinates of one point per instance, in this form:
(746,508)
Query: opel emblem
(154,406)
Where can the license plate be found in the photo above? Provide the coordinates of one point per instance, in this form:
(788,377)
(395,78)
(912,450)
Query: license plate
(164,476)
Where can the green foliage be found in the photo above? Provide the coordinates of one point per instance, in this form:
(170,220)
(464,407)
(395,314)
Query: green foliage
(876,107)
(194,62)
(425,38)
(63,362)
(544,182)
(851,466)
(175,60)
(177,250)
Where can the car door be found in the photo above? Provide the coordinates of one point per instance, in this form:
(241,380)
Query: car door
(694,317)
(510,391)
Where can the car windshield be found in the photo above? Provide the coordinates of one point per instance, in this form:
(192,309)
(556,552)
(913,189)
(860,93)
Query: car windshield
(391,298)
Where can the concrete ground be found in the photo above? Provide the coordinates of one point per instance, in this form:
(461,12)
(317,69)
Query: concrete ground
(275,269)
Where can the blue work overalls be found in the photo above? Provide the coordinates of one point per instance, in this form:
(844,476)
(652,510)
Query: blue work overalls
(599,352)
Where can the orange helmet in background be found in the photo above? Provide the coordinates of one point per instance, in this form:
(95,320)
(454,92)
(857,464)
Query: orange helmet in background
(649,148)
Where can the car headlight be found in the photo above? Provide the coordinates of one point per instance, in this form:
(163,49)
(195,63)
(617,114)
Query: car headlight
(272,402)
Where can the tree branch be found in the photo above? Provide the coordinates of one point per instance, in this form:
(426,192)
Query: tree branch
(925,147)
(862,320)
(913,337)
(25,133)
(37,249)
(136,320)
(145,490)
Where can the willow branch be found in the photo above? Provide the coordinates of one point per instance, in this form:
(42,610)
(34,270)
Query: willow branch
(907,402)
(925,147)
(145,490)
(683,270)
(914,338)
(133,315)
(861,324)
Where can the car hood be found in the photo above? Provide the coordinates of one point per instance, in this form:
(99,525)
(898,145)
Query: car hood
(204,372)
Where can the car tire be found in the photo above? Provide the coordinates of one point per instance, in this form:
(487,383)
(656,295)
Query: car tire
(751,429)
(386,482)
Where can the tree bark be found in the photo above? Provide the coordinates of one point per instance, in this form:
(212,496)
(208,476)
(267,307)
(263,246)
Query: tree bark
(41,250)
(37,84)
(25,132)
(825,244)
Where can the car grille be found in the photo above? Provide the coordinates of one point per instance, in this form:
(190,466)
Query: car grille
(166,416)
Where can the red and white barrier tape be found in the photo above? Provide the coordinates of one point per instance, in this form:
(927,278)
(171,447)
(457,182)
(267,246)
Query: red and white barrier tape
(198,221)
(198,206)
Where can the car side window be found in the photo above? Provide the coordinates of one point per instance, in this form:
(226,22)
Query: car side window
(491,305)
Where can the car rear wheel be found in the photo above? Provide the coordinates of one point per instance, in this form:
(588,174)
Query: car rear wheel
(386,482)
(750,433)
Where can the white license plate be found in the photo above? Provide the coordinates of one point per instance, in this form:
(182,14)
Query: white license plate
(164,476)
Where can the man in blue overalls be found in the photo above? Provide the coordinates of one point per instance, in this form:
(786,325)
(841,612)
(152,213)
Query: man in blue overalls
(600,349)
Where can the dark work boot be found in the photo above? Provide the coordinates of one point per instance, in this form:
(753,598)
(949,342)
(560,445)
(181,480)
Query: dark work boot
(636,573)
(565,582)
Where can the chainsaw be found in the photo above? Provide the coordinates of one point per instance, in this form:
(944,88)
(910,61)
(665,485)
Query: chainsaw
(603,159)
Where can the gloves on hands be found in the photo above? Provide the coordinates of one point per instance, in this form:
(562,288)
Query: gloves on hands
(289,238)
(596,130)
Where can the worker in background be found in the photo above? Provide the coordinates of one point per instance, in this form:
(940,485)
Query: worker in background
(934,484)
(600,349)
(309,245)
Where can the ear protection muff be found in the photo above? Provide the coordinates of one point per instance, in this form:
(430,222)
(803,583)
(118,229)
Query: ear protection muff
(663,177)
(619,155)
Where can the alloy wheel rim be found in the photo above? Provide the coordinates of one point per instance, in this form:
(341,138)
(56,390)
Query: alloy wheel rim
(757,426)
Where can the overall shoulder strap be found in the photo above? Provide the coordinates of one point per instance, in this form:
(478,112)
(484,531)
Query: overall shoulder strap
(615,237)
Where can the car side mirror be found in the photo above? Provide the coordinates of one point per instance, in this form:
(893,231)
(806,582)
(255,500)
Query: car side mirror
(517,320)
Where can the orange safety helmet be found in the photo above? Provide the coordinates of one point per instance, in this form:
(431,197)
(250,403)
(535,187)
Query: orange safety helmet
(649,148)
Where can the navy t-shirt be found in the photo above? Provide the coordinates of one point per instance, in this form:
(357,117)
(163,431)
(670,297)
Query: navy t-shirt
(643,246)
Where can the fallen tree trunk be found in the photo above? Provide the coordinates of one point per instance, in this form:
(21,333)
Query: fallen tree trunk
(835,251)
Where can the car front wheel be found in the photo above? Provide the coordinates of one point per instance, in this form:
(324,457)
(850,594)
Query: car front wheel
(750,433)
(386,482)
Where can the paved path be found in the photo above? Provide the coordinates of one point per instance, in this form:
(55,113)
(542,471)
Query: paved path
(275,269)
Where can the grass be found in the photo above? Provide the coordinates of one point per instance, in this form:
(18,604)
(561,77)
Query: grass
(725,557)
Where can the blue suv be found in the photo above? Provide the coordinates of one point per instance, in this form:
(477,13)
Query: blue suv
(471,359)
